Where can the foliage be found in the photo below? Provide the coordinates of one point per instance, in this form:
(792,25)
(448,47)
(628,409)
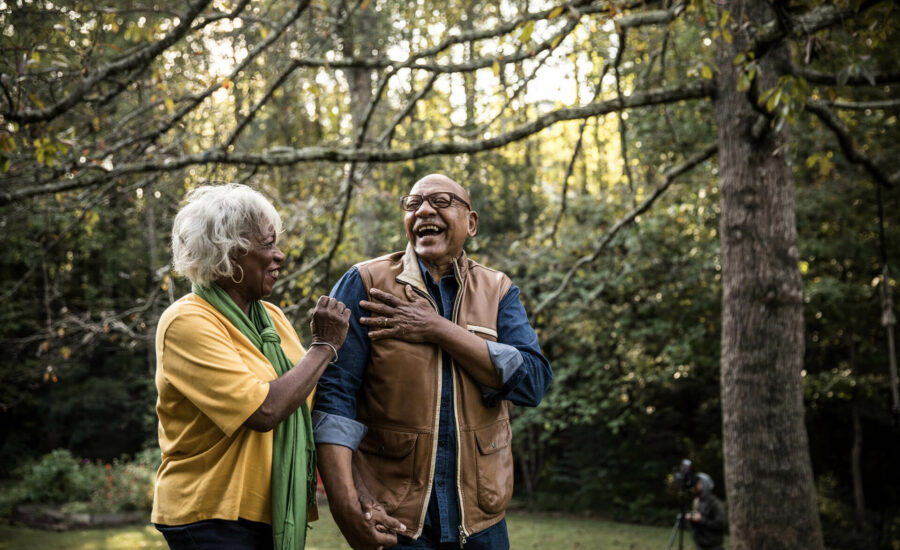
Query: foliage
(56,478)
(59,478)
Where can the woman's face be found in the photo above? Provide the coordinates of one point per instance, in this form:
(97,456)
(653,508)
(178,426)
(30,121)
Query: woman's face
(260,265)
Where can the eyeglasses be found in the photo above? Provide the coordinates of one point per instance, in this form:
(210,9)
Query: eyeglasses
(442,199)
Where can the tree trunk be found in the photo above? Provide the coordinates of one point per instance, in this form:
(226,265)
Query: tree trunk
(768,474)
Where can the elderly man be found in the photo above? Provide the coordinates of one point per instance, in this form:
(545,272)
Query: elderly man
(412,421)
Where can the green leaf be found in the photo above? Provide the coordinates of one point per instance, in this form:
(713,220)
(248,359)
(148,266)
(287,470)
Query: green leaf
(526,32)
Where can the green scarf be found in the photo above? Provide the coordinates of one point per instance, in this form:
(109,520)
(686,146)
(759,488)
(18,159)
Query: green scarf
(290,496)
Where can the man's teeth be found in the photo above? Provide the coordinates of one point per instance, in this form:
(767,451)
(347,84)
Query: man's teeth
(428,228)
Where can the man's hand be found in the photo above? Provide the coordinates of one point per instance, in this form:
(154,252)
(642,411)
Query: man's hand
(374,512)
(361,519)
(367,526)
(694,516)
(417,321)
(412,321)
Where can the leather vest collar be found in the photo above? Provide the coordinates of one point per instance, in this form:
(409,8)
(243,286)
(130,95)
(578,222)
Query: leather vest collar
(412,273)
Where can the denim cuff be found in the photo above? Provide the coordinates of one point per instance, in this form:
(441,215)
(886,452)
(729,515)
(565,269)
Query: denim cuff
(337,430)
(506,359)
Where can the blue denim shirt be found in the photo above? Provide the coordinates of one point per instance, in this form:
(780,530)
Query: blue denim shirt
(516,355)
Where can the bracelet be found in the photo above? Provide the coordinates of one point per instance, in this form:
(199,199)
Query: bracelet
(324,343)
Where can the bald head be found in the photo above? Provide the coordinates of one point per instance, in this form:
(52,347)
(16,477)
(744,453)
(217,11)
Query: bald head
(442,182)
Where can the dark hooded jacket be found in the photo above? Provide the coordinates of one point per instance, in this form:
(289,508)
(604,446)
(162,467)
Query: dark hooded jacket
(709,532)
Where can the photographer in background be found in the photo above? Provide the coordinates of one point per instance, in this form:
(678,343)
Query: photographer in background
(707,515)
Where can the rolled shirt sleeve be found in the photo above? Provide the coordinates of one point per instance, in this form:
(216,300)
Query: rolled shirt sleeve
(517,356)
(506,359)
(337,430)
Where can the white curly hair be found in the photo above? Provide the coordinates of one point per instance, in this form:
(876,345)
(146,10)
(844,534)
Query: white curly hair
(215,223)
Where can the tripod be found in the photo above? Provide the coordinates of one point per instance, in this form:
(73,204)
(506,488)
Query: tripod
(678,528)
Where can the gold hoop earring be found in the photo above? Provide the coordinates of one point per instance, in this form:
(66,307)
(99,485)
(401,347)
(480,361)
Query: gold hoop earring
(242,275)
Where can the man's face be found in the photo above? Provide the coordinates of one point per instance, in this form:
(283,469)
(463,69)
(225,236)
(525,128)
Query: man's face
(698,487)
(438,234)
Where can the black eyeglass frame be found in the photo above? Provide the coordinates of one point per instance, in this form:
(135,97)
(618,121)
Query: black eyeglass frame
(429,199)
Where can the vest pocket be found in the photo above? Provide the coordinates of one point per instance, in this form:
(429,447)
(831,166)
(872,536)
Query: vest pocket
(484,332)
(494,467)
(386,463)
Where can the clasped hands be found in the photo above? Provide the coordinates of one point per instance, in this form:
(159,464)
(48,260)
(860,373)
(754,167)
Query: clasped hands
(412,321)
(365,524)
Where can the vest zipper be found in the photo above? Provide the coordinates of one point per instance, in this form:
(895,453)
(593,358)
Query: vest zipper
(459,496)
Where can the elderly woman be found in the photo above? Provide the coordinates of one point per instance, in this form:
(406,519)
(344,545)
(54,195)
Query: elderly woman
(238,460)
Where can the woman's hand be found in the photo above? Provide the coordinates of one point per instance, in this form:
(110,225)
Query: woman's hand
(330,321)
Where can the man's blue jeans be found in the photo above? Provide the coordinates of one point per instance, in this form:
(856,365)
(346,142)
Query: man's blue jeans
(219,534)
(493,538)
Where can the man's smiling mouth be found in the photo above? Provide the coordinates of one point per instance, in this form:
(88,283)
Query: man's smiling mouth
(428,230)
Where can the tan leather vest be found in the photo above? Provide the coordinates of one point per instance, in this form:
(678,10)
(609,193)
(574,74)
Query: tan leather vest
(400,398)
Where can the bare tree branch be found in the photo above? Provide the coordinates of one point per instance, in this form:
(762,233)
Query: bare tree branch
(884,104)
(656,17)
(623,129)
(828,79)
(848,147)
(814,20)
(279,82)
(196,100)
(287,157)
(385,139)
(233,14)
(137,59)
(565,188)
(669,177)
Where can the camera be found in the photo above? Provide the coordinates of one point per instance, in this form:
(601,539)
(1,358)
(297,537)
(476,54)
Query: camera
(683,478)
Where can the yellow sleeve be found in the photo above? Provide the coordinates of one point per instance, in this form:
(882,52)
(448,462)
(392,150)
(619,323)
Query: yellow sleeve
(201,361)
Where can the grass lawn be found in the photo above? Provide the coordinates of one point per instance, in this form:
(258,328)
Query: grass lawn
(527,531)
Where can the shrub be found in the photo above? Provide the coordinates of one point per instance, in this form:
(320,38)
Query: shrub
(127,485)
(58,478)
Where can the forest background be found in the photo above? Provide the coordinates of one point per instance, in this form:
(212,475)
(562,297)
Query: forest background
(698,200)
